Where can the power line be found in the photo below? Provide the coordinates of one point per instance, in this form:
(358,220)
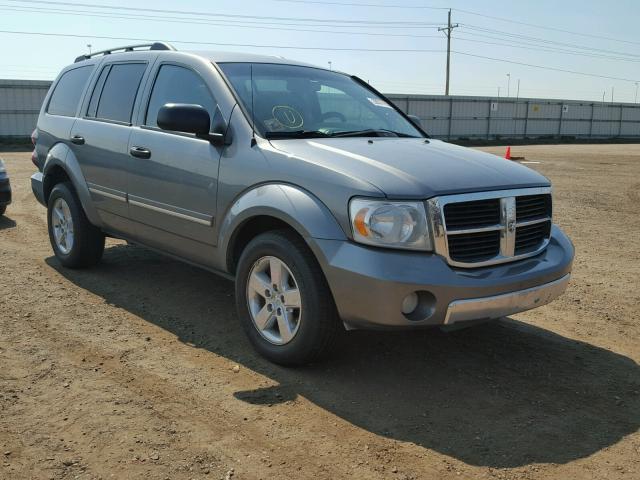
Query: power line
(374,5)
(545,67)
(84,13)
(290,47)
(516,44)
(549,49)
(545,27)
(33,9)
(543,40)
(469,12)
(210,14)
(250,45)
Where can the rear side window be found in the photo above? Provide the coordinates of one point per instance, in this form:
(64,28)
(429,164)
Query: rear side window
(115,100)
(178,85)
(67,92)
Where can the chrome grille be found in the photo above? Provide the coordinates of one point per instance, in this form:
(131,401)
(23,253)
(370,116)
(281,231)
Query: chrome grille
(472,247)
(485,228)
(530,207)
(530,237)
(472,214)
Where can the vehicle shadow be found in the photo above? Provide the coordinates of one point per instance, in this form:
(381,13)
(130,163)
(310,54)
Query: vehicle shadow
(6,222)
(503,394)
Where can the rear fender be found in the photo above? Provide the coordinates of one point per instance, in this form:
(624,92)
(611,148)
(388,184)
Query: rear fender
(61,156)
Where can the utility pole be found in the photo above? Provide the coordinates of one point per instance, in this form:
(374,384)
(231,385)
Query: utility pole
(447,31)
(498,92)
(508,84)
(518,91)
(611,94)
(635,100)
(329,62)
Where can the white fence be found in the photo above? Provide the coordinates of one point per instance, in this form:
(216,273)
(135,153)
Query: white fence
(490,118)
(20,102)
(442,117)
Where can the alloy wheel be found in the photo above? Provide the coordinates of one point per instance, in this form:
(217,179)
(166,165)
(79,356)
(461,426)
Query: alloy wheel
(274,300)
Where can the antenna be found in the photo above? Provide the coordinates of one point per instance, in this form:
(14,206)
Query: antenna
(253,120)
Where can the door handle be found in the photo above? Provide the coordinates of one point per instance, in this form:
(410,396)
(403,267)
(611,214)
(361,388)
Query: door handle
(77,139)
(140,152)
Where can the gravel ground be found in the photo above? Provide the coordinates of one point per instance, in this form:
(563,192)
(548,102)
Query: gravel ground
(138,368)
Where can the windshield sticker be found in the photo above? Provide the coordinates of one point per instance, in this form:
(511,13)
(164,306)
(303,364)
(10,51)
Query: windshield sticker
(378,102)
(286,116)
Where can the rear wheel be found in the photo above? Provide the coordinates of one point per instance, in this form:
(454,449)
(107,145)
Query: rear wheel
(75,241)
(283,300)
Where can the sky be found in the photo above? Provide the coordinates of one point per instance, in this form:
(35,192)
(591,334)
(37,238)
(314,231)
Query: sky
(395,45)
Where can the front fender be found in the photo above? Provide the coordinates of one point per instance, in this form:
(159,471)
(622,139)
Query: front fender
(61,156)
(293,205)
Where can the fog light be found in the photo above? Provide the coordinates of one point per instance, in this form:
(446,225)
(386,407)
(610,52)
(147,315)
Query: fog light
(410,303)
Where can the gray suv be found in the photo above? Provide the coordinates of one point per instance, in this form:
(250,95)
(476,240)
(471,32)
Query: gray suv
(329,206)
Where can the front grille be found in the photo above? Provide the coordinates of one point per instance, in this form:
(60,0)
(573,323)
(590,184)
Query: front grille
(473,247)
(472,214)
(492,227)
(530,207)
(530,237)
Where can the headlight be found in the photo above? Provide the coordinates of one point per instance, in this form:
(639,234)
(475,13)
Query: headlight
(390,224)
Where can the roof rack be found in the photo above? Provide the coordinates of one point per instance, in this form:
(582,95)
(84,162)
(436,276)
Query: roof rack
(128,48)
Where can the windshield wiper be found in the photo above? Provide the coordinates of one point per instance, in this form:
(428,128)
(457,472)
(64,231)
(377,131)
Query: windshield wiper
(296,134)
(372,132)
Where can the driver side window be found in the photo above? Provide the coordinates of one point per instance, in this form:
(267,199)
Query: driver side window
(176,84)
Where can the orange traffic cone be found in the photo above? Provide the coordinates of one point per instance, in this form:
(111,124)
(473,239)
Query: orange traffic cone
(507,155)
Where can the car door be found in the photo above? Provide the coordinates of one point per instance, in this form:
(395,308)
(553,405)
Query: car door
(173,176)
(100,139)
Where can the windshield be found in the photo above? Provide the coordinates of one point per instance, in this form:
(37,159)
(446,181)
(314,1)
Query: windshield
(288,101)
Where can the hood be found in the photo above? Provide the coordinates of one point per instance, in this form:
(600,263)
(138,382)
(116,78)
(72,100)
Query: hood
(412,167)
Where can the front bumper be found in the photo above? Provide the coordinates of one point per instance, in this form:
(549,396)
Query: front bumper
(369,284)
(5,190)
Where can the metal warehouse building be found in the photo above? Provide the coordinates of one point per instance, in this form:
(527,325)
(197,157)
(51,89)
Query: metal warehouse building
(444,117)
(20,102)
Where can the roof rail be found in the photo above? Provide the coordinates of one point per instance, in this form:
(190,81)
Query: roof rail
(128,48)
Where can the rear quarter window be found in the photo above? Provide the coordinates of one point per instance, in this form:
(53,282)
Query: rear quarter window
(67,92)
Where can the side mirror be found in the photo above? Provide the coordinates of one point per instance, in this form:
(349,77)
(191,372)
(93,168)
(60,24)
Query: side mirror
(415,120)
(188,118)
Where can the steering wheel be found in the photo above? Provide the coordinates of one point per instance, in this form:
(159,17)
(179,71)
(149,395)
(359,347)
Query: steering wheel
(337,115)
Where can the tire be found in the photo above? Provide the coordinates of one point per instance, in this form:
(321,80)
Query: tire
(315,324)
(3,209)
(83,244)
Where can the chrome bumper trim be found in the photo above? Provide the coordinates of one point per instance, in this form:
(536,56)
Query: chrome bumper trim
(505,304)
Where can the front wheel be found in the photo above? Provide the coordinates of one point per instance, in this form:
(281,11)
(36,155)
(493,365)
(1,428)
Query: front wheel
(75,241)
(3,209)
(283,300)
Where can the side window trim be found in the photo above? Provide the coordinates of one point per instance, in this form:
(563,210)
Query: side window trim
(156,74)
(135,99)
(98,85)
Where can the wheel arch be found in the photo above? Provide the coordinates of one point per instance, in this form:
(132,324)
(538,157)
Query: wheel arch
(273,207)
(62,165)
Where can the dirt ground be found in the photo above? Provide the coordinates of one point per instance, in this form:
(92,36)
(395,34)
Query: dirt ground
(130,370)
